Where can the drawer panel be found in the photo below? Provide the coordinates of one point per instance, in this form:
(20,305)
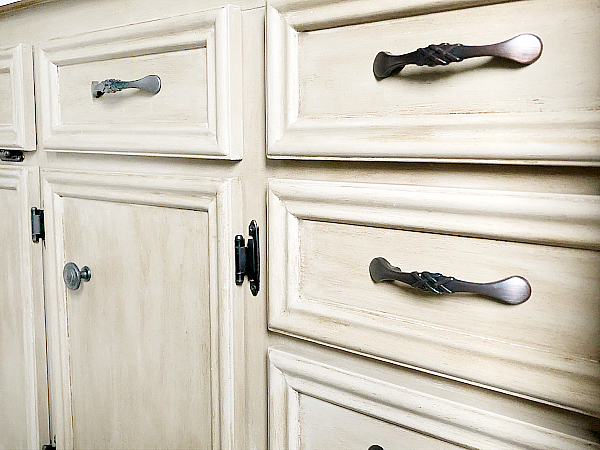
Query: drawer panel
(17,107)
(324,102)
(318,404)
(196,113)
(326,234)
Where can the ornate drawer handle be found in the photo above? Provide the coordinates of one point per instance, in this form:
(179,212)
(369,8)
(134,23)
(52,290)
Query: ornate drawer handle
(150,84)
(524,48)
(512,291)
(73,277)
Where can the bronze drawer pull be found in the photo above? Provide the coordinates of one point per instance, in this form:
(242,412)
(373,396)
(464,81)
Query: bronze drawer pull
(512,291)
(150,84)
(524,48)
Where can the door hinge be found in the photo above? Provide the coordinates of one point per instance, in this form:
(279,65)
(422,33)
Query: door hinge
(12,155)
(247,259)
(48,447)
(37,224)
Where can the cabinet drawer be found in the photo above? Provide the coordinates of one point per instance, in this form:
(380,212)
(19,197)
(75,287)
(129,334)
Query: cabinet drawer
(17,108)
(326,234)
(196,113)
(323,404)
(324,101)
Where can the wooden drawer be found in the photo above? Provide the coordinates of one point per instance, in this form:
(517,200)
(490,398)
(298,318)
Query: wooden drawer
(196,113)
(17,107)
(324,404)
(324,102)
(326,234)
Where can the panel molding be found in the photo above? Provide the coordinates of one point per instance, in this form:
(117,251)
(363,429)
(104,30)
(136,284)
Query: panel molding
(220,200)
(24,181)
(20,133)
(219,31)
(524,138)
(549,219)
(295,374)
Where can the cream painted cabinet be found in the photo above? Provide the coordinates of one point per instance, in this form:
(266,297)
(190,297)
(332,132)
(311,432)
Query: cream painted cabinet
(269,111)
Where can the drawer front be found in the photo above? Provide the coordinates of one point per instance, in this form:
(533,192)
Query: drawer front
(17,107)
(326,234)
(318,404)
(324,101)
(196,113)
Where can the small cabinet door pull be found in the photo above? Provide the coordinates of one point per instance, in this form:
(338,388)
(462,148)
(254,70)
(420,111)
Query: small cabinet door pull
(512,291)
(73,277)
(149,84)
(524,49)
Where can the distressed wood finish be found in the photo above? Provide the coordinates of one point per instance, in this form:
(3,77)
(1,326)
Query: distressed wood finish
(17,107)
(149,352)
(326,234)
(322,404)
(325,103)
(23,386)
(197,113)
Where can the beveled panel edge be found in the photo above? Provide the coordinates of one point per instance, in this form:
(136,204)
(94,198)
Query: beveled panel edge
(218,30)
(298,373)
(21,134)
(361,139)
(525,217)
(25,182)
(220,199)
(314,14)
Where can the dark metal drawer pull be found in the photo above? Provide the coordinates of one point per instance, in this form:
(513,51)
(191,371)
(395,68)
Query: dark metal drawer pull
(150,84)
(73,276)
(512,291)
(524,48)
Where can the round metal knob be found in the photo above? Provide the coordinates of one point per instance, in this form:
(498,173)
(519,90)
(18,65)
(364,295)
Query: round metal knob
(375,447)
(73,276)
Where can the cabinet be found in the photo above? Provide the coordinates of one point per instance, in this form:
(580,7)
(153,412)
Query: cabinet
(269,111)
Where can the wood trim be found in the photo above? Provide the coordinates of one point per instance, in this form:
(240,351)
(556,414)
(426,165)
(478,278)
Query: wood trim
(220,200)
(548,219)
(295,374)
(219,31)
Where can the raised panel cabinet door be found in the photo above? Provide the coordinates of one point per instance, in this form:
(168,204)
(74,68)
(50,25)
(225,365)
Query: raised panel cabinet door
(17,107)
(148,352)
(23,384)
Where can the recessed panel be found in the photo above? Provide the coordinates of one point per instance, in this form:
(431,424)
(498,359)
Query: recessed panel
(324,401)
(324,101)
(327,234)
(196,113)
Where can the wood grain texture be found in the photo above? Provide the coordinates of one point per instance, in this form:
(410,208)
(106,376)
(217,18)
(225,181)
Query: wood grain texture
(326,234)
(197,113)
(325,103)
(319,403)
(155,337)
(23,385)
(17,107)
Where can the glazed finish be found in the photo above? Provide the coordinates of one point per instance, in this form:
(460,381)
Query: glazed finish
(269,111)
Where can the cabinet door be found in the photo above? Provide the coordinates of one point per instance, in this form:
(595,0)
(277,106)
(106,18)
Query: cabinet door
(142,355)
(23,386)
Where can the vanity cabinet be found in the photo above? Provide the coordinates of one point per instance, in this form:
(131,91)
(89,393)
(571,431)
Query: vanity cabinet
(123,321)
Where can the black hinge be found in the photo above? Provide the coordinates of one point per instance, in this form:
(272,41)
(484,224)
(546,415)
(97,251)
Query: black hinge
(12,155)
(247,259)
(48,447)
(37,224)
